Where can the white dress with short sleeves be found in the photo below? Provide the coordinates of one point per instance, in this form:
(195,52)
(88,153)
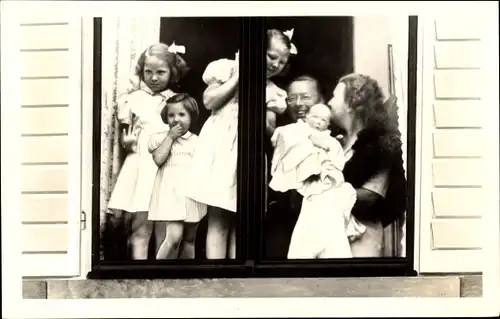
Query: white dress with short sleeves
(275,102)
(141,109)
(213,177)
(168,199)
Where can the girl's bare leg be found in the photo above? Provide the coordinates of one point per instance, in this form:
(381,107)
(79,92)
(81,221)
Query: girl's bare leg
(142,229)
(217,233)
(127,220)
(160,228)
(173,238)
(187,249)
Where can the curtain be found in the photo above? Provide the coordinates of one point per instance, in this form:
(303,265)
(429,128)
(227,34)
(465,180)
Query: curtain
(123,40)
(399,77)
(397,53)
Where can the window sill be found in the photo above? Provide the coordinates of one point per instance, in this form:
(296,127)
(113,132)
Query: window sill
(421,286)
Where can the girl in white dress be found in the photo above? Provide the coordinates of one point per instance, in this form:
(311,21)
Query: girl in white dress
(172,151)
(213,177)
(279,49)
(139,115)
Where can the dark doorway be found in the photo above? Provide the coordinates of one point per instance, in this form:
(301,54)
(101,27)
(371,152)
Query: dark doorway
(325,48)
(206,39)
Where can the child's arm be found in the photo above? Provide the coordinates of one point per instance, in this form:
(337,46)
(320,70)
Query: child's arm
(125,116)
(222,83)
(275,99)
(270,122)
(161,153)
(216,95)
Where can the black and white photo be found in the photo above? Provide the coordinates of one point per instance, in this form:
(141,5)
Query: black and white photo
(334,149)
(169,138)
(190,157)
(188,178)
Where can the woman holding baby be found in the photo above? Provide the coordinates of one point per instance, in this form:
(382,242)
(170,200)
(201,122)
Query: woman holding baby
(373,166)
(374,163)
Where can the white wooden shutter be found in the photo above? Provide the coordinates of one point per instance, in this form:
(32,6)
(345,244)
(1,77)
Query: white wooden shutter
(451,163)
(51,92)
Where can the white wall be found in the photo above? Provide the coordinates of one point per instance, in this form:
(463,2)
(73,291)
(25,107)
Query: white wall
(371,37)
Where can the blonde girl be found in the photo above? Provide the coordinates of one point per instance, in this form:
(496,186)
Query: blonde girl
(279,49)
(158,67)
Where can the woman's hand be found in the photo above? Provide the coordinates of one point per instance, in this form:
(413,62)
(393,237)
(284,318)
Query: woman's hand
(319,142)
(328,165)
(175,132)
(130,138)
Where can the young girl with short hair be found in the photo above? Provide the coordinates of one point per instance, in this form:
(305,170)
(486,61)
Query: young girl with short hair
(170,209)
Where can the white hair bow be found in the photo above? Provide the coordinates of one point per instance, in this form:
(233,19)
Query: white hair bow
(174,48)
(289,34)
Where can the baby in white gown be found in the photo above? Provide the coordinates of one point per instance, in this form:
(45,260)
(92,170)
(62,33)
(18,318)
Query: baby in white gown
(308,159)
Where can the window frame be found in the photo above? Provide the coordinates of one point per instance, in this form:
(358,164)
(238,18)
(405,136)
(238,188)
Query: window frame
(403,266)
(87,128)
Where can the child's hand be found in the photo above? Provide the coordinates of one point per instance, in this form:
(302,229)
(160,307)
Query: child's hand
(272,103)
(175,132)
(276,106)
(318,142)
(129,138)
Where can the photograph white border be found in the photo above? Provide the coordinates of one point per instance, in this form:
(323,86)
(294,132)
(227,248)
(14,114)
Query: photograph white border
(16,307)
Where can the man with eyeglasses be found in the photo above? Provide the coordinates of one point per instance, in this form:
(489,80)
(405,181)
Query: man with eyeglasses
(284,208)
(302,93)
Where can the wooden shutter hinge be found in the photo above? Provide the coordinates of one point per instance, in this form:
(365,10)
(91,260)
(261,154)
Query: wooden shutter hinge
(83,220)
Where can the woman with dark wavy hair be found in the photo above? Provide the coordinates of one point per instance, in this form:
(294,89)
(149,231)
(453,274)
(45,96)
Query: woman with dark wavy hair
(374,166)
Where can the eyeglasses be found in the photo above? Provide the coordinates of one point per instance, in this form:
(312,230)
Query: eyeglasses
(303,97)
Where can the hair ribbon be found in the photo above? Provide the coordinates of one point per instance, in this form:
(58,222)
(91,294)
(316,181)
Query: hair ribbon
(293,48)
(174,48)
